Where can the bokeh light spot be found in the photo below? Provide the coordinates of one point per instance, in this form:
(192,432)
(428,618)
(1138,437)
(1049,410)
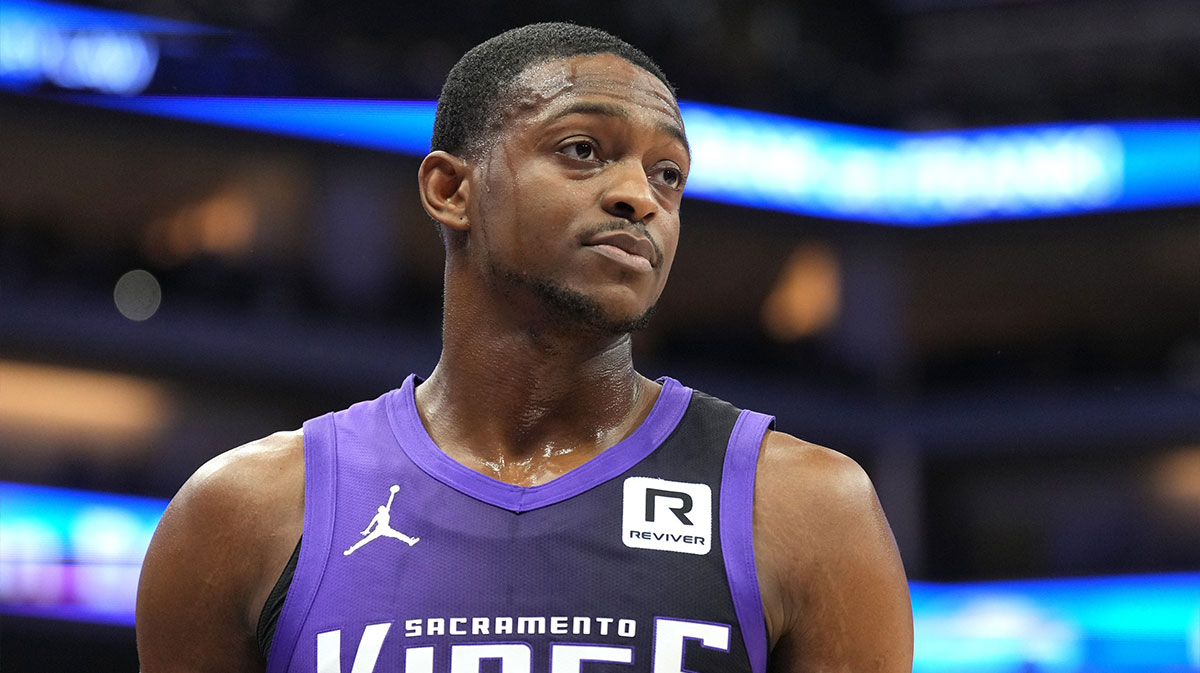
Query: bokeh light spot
(137,295)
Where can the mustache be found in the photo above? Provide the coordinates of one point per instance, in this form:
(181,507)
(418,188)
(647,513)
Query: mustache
(636,227)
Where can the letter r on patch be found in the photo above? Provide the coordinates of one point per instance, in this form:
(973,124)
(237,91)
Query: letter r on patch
(667,515)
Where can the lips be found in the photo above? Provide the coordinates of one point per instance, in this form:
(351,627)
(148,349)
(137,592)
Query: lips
(630,243)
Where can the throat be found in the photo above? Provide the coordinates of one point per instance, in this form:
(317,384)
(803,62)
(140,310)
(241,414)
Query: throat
(532,470)
(528,440)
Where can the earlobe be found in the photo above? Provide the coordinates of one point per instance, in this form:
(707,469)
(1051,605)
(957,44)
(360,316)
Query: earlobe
(444,184)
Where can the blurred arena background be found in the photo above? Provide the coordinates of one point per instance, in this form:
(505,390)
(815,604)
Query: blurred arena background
(963,248)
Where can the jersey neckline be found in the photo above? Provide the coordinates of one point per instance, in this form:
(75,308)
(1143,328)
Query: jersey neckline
(415,442)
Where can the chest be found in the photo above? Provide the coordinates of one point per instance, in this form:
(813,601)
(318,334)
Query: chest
(628,568)
(413,562)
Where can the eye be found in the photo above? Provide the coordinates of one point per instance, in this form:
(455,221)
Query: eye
(584,150)
(670,175)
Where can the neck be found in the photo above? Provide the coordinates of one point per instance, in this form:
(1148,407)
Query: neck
(524,399)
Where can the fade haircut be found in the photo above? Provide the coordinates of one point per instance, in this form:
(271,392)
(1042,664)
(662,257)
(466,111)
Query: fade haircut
(479,85)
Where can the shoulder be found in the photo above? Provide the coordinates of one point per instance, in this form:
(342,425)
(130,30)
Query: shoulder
(809,498)
(258,473)
(833,585)
(218,549)
(796,478)
(254,493)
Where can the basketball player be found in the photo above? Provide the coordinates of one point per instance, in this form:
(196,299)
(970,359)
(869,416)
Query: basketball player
(543,506)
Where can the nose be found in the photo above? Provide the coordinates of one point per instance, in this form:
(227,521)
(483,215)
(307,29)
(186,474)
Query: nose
(629,194)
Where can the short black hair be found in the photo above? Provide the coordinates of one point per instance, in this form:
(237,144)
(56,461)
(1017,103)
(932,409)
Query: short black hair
(477,85)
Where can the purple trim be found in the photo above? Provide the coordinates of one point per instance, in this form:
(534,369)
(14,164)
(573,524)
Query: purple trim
(320,486)
(415,441)
(737,532)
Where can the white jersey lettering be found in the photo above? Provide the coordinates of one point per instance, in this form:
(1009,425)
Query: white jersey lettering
(329,649)
(569,658)
(531,625)
(418,660)
(513,657)
(667,656)
(670,636)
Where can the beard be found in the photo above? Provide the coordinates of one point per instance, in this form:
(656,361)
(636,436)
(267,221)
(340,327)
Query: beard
(571,306)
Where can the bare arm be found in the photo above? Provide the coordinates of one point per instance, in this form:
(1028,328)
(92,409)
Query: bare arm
(834,589)
(217,552)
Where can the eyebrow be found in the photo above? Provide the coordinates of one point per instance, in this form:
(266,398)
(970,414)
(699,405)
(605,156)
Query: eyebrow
(618,112)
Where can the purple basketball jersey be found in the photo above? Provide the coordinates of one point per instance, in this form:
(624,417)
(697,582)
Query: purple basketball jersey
(640,560)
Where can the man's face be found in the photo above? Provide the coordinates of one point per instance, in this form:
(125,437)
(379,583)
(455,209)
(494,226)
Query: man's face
(578,191)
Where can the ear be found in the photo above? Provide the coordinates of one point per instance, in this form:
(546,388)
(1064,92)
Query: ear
(444,183)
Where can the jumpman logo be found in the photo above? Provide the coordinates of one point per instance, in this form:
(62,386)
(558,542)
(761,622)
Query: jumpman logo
(380,526)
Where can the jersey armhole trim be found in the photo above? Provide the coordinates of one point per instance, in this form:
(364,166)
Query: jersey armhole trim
(737,532)
(268,618)
(320,486)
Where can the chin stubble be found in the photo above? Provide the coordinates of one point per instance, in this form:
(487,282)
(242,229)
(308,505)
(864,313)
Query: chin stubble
(570,305)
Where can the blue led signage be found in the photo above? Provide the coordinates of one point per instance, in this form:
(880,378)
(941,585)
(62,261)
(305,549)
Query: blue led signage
(741,157)
(74,555)
(812,168)
(81,48)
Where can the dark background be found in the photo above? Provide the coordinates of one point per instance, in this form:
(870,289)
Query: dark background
(1025,394)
